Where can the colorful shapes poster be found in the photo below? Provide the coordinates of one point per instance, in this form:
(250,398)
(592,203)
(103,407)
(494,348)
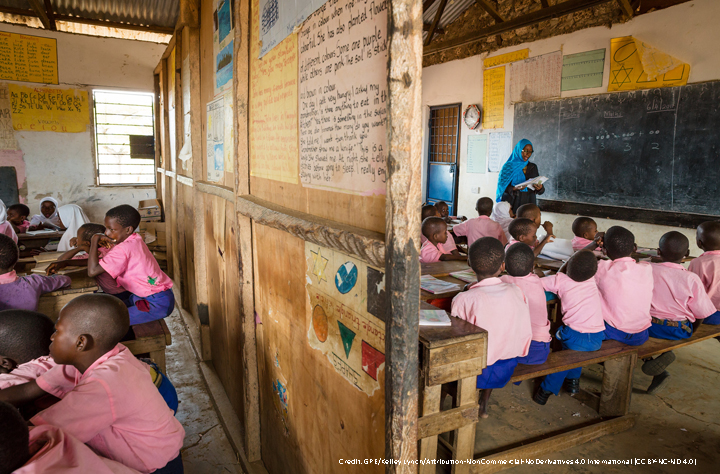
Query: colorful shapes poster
(637,65)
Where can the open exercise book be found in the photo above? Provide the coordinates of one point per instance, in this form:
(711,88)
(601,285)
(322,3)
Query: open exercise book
(538,180)
(42,269)
(468,276)
(434,317)
(432,285)
(41,231)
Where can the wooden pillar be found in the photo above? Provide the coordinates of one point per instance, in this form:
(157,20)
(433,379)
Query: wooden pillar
(402,233)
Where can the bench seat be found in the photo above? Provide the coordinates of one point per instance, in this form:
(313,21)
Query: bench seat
(654,346)
(151,338)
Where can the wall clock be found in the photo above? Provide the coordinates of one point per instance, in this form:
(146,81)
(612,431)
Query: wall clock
(472,116)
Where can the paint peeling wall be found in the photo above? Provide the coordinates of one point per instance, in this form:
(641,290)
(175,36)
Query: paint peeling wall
(62,165)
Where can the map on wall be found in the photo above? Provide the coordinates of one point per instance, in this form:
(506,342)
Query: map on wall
(343,97)
(279,18)
(28,58)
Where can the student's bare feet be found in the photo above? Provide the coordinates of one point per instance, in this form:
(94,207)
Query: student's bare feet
(484,397)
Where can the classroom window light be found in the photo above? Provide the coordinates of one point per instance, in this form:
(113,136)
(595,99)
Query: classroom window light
(124,138)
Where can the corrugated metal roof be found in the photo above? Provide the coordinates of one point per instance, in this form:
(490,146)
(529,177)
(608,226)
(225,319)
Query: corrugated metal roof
(453,9)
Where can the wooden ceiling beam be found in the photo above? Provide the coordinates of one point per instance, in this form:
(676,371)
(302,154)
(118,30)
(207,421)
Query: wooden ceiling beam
(560,9)
(544,3)
(47,19)
(427,4)
(18,11)
(436,22)
(113,24)
(626,8)
(50,14)
(438,30)
(485,5)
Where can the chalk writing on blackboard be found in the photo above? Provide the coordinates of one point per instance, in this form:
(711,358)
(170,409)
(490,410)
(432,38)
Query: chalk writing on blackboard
(28,58)
(343,97)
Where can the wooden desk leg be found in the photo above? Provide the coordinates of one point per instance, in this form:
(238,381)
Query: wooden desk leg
(428,446)
(159,358)
(464,438)
(617,385)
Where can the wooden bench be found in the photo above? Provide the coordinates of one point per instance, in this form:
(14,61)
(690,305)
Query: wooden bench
(151,339)
(655,347)
(51,303)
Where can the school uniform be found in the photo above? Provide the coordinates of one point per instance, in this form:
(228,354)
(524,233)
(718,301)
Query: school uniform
(114,408)
(512,242)
(707,267)
(23,227)
(579,243)
(24,292)
(679,298)
(479,227)
(583,328)
(626,289)
(27,372)
(131,264)
(7,229)
(430,253)
(534,292)
(502,310)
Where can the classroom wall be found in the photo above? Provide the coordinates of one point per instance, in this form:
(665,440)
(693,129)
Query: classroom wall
(62,165)
(688,32)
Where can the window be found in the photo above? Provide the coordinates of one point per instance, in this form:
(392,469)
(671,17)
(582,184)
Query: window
(124,138)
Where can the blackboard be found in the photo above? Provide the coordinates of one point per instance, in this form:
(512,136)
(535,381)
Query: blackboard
(656,149)
(8,185)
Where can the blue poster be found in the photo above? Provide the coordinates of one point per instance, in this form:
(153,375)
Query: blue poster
(224,14)
(224,66)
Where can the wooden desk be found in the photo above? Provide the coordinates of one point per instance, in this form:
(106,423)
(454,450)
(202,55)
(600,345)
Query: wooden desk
(441,269)
(27,243)
(456,353)
(548,264)
(51,303)
(638,256)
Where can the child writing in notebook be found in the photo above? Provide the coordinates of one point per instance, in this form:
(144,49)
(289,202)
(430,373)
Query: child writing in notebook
(6,228)
(583,325)
(22,292)
(525,231)
(707,265)
(519,264)
(501,309)
(107,399)
(435,231)
(131,264)
(17,215)
(481,226)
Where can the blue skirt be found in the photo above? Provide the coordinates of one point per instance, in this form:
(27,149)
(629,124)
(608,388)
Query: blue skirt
(498,374)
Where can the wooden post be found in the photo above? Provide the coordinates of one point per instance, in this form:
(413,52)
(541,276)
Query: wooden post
(402,233)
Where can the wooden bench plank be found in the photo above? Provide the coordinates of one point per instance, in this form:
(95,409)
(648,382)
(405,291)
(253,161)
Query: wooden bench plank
(448,420)
(654,346)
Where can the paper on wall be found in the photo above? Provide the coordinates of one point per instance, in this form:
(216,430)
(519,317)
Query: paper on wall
(499,149)
(637,65)
(536,78)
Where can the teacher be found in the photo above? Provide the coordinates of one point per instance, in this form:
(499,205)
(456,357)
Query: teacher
(516,170)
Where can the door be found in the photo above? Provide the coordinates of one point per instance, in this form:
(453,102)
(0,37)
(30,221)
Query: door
(442,158)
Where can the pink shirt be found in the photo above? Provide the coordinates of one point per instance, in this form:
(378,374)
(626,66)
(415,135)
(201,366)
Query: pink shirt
(578,243)
(107,283)
(7,229)
(502,310)
(135,269)
(54,451)
(478,227)
(626,289)
(27,372)
(707,267)
(534,292)
(580,301)
(430,253)
(449,244)
(115,409)
(678,294)
(24,226)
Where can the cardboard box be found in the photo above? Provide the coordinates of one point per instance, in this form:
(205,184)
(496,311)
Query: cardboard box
(150,208)
(154,233)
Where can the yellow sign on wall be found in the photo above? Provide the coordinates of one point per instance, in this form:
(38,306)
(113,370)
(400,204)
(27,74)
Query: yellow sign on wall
(494,98)
(28,58)
(41,109)
(637,65)
(506,58)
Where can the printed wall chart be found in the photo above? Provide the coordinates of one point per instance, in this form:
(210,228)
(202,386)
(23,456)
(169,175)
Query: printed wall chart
(40,109)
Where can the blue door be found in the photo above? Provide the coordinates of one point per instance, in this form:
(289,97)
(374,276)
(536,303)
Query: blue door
(442,159)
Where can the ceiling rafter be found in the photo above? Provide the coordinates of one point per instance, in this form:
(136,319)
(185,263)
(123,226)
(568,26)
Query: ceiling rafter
(436,21)
(46,16)
(626,8)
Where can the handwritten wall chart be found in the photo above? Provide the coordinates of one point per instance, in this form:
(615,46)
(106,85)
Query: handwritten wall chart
(536,78)
(28,58)
(273,109)
(494,98)
(499,149)
(42,109)
(343,97)
(7,133)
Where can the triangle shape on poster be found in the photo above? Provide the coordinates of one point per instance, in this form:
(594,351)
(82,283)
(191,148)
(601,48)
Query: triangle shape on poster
(347,337)
(372,359)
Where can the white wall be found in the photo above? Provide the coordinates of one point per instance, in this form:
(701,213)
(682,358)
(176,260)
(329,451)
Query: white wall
(62,165)
(688,31)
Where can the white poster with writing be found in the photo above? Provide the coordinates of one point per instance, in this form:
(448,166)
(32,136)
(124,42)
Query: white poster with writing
(343,97)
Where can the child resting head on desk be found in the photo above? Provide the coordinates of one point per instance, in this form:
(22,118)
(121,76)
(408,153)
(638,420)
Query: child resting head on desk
(524,230)
(6,228)
(17,215)
(24,344)
(481,226)
(501,309)
(707,265)
(48,217)
(149,295)
(22,292)
(107,399)
(435,231)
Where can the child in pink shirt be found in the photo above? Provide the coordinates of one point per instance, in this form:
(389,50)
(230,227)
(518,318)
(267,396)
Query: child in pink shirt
(585,230)
(481,226)
(532,211)
(519,263)
(444,211)
(707,265)
(449,245)
(583,326)
(501,309)
(435,231)
(524,230)
(131,264)
(6,227)
(24,346)
(17,215)
(107,399)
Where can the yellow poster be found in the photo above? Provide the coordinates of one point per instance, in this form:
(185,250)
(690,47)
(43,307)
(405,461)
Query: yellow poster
(494,98)
(41,109)
(274,108)
(28,58)
(637,65)
(506,58)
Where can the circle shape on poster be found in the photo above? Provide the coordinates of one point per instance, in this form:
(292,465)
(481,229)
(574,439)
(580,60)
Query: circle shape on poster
(346,277)
(320,323)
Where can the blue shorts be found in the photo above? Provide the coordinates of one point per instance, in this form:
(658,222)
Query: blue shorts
(537,354)
(144,309)
(662,331)
(498,374)
(576,341)
(631,339)
(713,319)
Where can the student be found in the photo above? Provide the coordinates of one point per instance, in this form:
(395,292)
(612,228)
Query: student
(481,226)
(78,257)
(585,230)
(6,228)
(435,231)
(106,397)
(24,346)
(707,265)
(503,214)
(46,449)
(501,309)
(17,215)
(679,303)
(532,212)
(519,263)
(71,218)
(22,292)
(131,264)
(444,211)
(524,230)
(449,245)
(626,287)
(48,217)
(583,325)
